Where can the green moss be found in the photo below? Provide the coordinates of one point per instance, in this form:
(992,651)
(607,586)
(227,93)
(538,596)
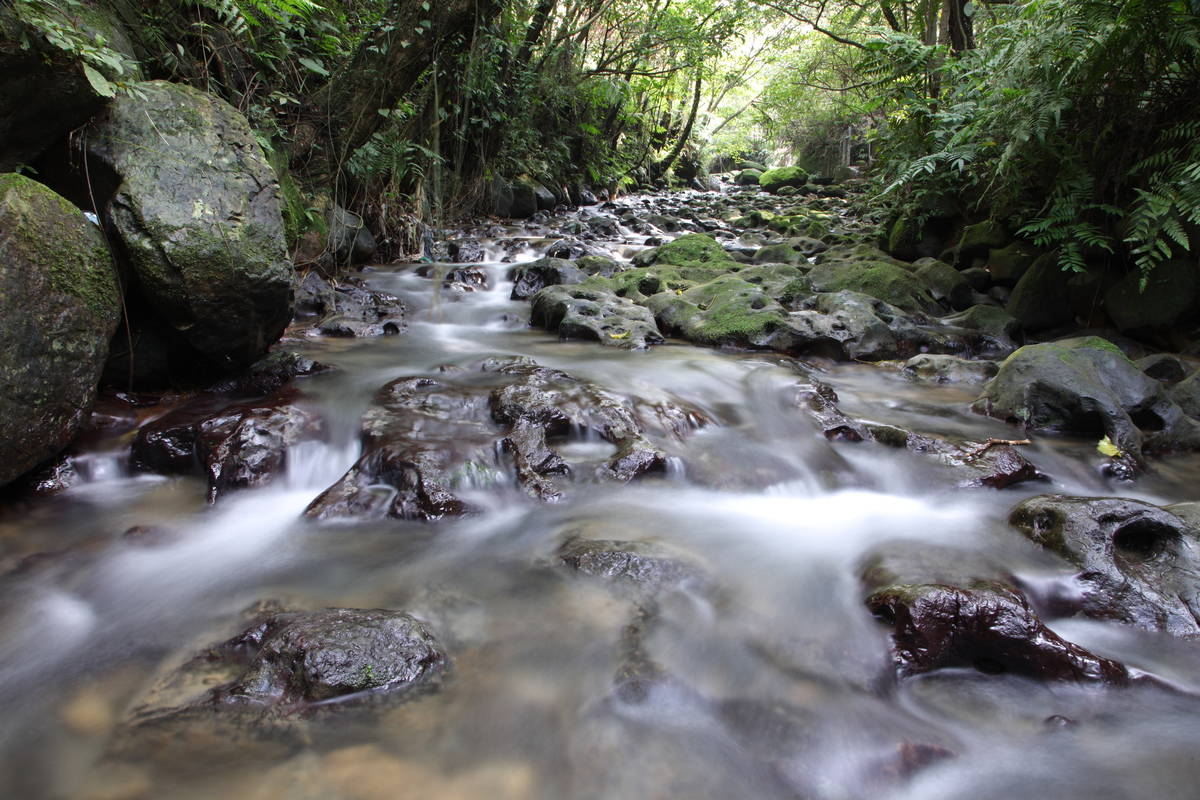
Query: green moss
(774,179)
(690,249)
(882,281)
(57,240)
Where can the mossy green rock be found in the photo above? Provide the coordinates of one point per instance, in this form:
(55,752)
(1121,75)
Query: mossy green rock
(1086,385)
(748,177)
(59,305)
(877,279)
(1169,297)
(775,179)
(979,239)
(688,250)
(945,282)
(196,208)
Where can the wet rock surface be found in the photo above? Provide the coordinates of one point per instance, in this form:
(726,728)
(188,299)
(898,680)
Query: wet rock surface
(1088,386)
(349,308)
(982,622)
(199,222)
(425,439)
(59,304)
(1136,562)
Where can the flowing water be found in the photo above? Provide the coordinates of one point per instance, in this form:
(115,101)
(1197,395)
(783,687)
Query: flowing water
(779,681)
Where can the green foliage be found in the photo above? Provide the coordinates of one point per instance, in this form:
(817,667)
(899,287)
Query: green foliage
(73,27)
(1075,121)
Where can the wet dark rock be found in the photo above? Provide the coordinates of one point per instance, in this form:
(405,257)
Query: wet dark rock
(1186,394)
(529,279)
(421,437)
(543,405)
(46,95)
(424,438)
(248,698)
(594,314)
(460,251)
(969,464)
(1136,562)
(570,249)
(1088,386)
(269,374)
(349,307)
(1162,297)
(312,656)
(234,446)
(1037,302)
(199,223)
(984,625)
(995,333)
(945,283)
(601,266)
(1165,367)
(59,305)
(795,250)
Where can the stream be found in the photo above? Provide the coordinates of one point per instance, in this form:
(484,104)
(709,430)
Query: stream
(776,681)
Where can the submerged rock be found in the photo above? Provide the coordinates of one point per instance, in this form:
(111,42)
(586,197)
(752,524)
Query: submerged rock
(1137,563)
(529,279)
(59,305)
(641,568)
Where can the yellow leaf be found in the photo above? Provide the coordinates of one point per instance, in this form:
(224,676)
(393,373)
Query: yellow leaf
(1106,447)
(624,335)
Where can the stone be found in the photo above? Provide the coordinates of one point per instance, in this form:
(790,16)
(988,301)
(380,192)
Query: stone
(44,92)
(351,308)
(988,626)
(350,241)
(529,279)
(59,306)
(642,569)
(1007,265)
(195,206)
(1086,385)
(775,179)
(596,315)
(1136,562)
(949,369)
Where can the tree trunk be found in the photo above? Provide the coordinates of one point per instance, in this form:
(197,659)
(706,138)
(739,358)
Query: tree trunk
(661,167)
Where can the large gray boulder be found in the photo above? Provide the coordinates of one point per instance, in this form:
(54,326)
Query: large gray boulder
(59,305)
(196,208)
(1087,385)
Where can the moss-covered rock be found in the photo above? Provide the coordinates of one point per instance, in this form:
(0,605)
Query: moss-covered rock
(196,208)
(775,179)
(748,177)
(59,305)
(794,251)
(880,280)
(688,250)
(978,240)
(1087,385)
(1006,265)
(945,283)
